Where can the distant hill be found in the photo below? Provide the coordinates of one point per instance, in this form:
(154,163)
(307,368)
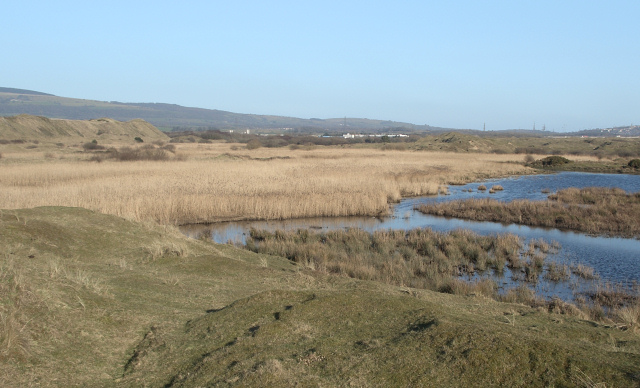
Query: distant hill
(27,127)
(170,116)
(23,91)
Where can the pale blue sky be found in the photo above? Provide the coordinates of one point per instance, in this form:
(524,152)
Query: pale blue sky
(568,64)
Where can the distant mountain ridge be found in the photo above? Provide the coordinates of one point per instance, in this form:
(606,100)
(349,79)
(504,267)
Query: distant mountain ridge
(168,117)
(171,116)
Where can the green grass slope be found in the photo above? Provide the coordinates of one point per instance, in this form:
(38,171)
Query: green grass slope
(93,300)
(375,336)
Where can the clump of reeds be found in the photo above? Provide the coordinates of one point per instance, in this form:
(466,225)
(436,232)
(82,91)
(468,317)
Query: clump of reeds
(497,188)
(484,286)
(145,152)
(583,271)
(629,315)
(557,272)
(530,263)
(542,245)
(612,295)
(482,188)
(148,152)
(558,306)
(521,294)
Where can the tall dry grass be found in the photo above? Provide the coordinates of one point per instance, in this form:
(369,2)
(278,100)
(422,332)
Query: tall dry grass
(216,183)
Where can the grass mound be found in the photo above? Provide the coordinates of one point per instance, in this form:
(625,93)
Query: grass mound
(78,289)
(95,300)
(131,154)
(39,128)
(373,336)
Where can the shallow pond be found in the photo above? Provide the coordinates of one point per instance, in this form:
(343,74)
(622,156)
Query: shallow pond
(614,259)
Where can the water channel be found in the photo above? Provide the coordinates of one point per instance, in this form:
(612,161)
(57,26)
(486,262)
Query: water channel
(614,259)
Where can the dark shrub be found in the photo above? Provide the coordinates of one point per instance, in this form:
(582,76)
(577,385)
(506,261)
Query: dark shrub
(253,144)
(555,160)
(634,163)
(138,139)
(92,146)
(394,147)
(170,147)
(147,152)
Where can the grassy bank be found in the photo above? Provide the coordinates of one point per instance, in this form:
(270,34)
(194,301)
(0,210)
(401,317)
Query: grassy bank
(604,166)
(595,210)
(95,300)
(200,183)
(604,147)
(79,289)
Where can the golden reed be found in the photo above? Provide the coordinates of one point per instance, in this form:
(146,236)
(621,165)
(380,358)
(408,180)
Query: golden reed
(221,181)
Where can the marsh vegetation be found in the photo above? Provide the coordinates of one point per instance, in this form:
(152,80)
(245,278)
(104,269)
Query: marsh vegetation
(595,210)
(91,299)
(458,262)
(215,182)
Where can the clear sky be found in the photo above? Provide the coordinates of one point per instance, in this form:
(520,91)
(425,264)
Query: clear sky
(569,65)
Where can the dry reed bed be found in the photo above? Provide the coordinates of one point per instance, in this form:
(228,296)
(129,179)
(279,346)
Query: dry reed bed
(595,210)
(216,183)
